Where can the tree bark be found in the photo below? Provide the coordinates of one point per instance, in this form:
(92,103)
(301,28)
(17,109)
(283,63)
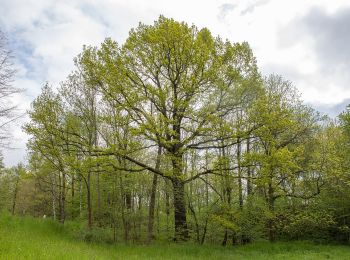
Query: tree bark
(181,230)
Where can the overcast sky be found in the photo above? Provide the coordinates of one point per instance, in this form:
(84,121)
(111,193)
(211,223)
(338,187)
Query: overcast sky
(307,42)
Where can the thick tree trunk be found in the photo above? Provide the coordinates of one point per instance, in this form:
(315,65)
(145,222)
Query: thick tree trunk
(181,230)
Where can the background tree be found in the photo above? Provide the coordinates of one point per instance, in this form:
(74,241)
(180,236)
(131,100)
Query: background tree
(7,109)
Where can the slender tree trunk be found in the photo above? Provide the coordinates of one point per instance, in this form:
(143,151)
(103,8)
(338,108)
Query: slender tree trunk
(72,186)
(80,196)
(204,231)
(158,216)
(114,202)
(226,190)
(98,197)
(89,206)
(15,196)
(224,241)
(128,205)
(167,204)
(59,196)
(53,186)
(140,197)
(246,239)
(271,205)
(206,200)
(240,190)
(63,198)
(153,197)
(249,173)
(195,222)
(73,180)
(123,215)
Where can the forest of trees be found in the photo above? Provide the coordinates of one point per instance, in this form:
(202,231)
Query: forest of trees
(176,135)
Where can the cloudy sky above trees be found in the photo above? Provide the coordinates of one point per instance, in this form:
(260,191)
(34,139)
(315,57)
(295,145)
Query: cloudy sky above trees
(307,42)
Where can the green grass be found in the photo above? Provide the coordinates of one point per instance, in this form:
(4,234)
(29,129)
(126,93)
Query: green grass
(28,238)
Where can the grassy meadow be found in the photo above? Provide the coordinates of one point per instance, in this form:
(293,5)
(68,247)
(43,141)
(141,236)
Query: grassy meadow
(29,238)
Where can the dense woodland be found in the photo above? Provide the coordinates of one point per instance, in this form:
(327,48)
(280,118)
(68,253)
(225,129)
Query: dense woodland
(176,135)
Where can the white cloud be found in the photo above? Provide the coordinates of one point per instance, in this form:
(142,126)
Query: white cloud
(47,34)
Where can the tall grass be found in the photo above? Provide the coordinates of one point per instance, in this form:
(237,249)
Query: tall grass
(29,238)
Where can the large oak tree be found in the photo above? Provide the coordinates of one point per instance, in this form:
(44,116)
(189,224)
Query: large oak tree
(176,83)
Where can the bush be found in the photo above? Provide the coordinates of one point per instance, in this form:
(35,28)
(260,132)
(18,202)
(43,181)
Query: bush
(308,225)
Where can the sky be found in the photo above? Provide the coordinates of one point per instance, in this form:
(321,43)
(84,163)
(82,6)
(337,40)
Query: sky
(305,41)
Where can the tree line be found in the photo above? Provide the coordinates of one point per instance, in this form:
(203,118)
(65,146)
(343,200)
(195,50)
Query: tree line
(175,134)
